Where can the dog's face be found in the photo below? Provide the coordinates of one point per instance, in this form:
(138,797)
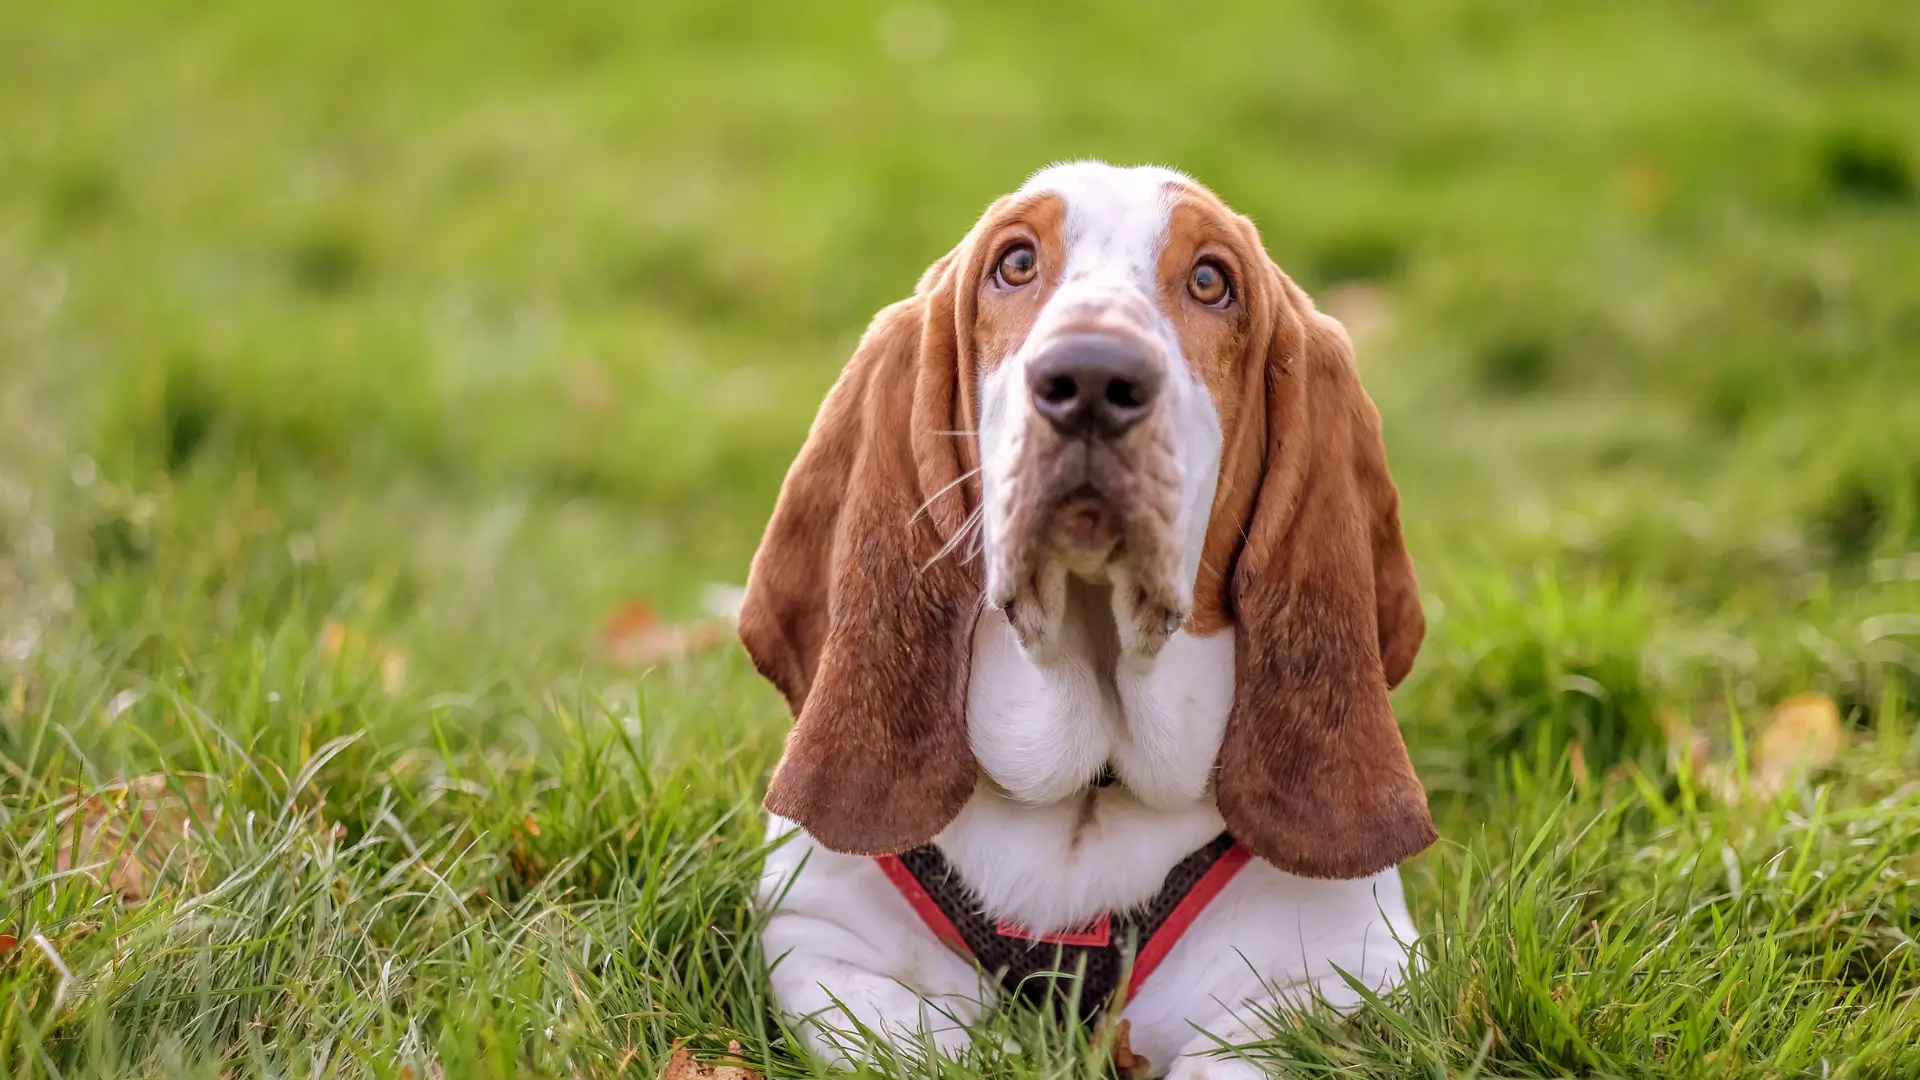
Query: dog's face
(1113,319)
(1108,378)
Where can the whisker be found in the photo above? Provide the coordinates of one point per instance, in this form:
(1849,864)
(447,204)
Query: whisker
(971,529)
(949,486)
(956,433)
(979,546)
(966,530)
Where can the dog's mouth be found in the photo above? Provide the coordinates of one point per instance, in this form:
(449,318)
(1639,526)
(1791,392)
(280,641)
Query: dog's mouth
(1098,513)
(1084,531)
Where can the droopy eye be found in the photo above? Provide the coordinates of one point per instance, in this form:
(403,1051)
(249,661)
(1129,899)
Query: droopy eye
(1208,284)
(1017,266)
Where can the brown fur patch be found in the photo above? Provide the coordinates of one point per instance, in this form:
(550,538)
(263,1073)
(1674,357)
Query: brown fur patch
(1313,774)
(1004,317)
(1227,351)
(859,608)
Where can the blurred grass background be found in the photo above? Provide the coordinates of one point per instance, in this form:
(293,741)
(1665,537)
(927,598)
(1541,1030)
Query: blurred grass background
(359,362)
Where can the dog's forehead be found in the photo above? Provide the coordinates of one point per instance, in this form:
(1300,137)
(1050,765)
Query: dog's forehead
(1116,218)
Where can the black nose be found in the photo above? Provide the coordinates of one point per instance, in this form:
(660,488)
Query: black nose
(1092,384)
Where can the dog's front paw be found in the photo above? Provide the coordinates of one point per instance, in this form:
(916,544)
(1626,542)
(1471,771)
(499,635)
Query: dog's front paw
(851,1016)
(1220,1066)
(1207,1057)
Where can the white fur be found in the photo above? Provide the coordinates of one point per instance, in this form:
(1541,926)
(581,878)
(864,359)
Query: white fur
(846,947)
(1116,225)
(1016,841)
(847,951)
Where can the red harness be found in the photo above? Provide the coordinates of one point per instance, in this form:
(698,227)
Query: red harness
(1085,966)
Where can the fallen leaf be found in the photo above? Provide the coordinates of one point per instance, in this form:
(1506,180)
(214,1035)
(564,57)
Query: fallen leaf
(393,670)
(1126,1064)
(636,637)
(333,638)
(682,1066)
(1683,742)
(342,644)
(587,388)
(1642,185)
(130,830)
(1805,735)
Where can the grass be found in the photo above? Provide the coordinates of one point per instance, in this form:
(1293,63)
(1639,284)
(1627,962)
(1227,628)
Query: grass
(358,364)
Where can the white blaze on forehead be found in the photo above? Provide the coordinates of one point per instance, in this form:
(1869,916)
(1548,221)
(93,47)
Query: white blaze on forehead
(1116,219)
(1114,233)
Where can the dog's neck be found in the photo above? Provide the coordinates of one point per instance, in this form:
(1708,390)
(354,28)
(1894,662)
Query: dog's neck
(1040,841)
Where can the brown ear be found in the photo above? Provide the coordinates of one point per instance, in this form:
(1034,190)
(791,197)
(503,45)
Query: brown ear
(1313,774)
(858,607)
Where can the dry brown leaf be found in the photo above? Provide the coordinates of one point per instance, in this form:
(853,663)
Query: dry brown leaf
(393,670)
(682,1066)
(1126,1064)
(333,638)
(636,637)
(587,388)
(130,830)
(342,644)
(1577,763)
(1684,744)
(1642,184)
(1805,735)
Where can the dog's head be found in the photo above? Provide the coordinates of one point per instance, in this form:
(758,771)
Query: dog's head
(1107,378)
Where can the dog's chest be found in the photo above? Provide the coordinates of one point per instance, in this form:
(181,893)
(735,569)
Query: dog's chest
(1043,729)
(1039,843)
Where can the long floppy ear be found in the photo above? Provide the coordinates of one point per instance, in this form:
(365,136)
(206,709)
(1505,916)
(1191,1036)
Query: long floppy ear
(1313,774)
(859,609)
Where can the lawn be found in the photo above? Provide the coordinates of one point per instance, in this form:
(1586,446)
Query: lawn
(371,374)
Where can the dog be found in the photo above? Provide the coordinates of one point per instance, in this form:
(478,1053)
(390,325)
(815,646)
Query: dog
(1087,591)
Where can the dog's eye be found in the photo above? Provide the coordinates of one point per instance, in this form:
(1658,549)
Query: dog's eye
(1017,266)
(1208,284)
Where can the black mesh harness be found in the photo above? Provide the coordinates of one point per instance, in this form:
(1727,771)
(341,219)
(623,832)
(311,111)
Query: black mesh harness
(1077,972)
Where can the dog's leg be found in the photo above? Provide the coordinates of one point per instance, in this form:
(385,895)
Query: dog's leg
(1268,945)
(1207,1056)
(847,952)
(831,982)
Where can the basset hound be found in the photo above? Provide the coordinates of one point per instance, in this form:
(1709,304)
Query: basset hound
(1087,591)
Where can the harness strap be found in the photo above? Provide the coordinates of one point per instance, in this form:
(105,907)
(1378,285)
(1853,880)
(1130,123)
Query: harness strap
(1079,968)
(923,903)
(1155,948)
